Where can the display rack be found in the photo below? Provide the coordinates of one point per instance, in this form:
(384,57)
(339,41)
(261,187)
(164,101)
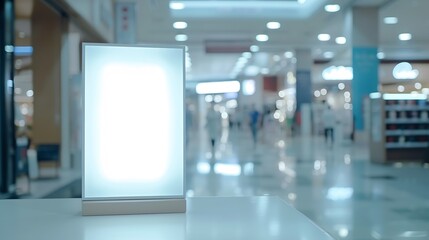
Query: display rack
(399,127)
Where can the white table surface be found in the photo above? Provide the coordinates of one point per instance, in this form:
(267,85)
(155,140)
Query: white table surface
(233,218)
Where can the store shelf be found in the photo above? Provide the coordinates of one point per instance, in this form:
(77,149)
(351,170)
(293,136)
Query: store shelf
(406,145)
(406,121)
(399,128)
(422,132)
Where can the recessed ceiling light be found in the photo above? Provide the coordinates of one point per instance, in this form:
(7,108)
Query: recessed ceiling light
(177,5)
(247,54)
(332,8)
(418,85)
(181,37)
(381,55)
(340,40)
(276,58)
(288,54)
(405,36)
(262,37)
(317,93)
(251,70)
(328,54)
(265,71)
(254,48)
(273,25)
(390,20)
(29,93)
(324,37)
(180,25)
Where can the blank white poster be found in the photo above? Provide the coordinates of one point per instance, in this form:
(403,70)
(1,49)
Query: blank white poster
(133,121)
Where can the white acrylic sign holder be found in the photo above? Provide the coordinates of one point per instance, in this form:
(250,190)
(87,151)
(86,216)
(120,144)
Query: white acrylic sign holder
(133,148)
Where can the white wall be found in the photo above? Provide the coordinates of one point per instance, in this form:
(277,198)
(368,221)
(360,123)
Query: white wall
(97,13)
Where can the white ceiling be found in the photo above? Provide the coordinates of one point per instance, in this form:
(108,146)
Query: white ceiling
(243,20)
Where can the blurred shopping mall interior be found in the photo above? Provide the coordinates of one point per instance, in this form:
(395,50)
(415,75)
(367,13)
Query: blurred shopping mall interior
(323,103)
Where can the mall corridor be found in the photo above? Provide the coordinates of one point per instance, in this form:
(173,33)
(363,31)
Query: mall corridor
(337,187)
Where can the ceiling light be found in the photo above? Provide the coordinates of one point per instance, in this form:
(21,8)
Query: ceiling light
(247,55)
(254,48)
(180,25)
(262,37)
(405,36)
(217,87)
(248,87)
(181,37)
(390,20)
(177,5)
(341,86)
(332,8)
(29,93)
(340,40)
(265,71)
(251,70)
(276,58)
(401,88)
(328,54)
(346,94)
(273,25)
(288,54)
(324,37)
(242,60)
(8,48)
(317,93)
(418,85)
(381,55)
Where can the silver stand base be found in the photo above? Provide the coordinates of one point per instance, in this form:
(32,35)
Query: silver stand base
(115,207)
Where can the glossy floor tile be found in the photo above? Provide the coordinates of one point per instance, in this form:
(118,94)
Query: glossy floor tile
(334,185)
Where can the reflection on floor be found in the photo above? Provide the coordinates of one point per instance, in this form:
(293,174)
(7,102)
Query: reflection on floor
(334,185)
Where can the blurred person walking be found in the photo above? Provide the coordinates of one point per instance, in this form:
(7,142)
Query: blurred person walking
(254,122)
(238,115)
(329,123)
(213,125)
(189,123)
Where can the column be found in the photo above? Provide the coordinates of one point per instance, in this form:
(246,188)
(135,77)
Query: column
(65,86)
(303,89)
(7,114)
(46,40)
(364,59)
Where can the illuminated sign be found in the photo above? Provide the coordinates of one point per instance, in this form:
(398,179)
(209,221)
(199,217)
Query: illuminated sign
(133,129)
(338,73)
(249,87)
(217,87)
(404,71)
